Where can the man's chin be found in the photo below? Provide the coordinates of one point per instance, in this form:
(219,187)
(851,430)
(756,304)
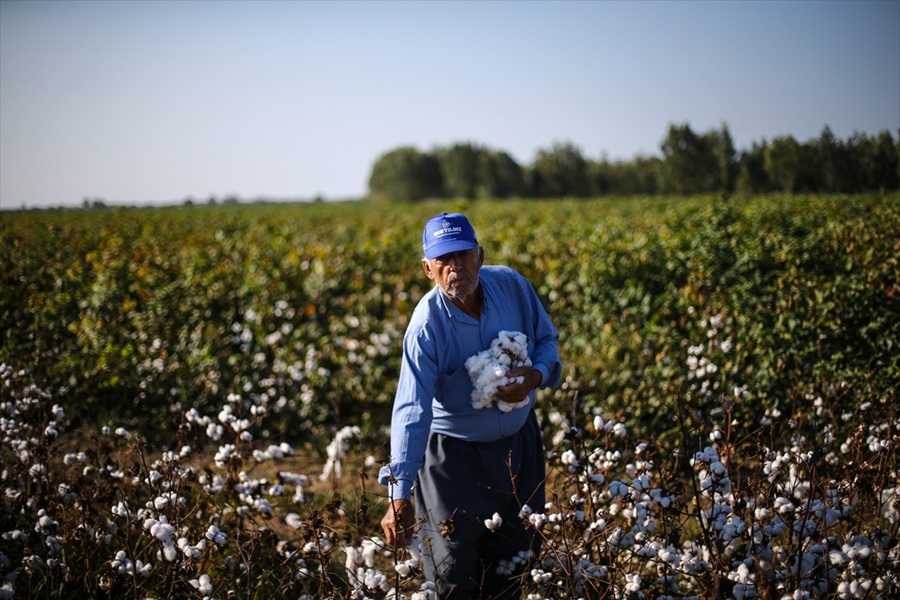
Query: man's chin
(458,293)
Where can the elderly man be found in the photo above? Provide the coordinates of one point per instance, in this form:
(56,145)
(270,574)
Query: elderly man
(462,461)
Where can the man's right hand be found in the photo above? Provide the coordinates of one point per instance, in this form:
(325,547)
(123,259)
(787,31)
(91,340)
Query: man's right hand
(399,523)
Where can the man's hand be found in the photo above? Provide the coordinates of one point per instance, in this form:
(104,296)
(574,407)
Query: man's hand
(518,392)
(398,523)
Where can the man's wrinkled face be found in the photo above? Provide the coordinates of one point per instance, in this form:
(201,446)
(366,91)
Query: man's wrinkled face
(456,273)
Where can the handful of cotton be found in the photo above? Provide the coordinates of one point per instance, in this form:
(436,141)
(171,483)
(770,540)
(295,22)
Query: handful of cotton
(487,369)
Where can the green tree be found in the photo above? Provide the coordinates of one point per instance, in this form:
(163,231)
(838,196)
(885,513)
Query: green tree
(830,161)
(897,157)
(406,174)
(647,173)
(782,163)
(637,177)
(689,163)
(751,176)
(500,176)
(881,163)
(560,171)
(460,169)
(722,146)
(600,176)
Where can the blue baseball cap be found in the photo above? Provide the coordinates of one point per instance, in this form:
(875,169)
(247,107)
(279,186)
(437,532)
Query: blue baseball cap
(446,233)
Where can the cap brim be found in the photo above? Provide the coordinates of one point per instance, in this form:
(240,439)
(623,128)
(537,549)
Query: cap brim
(443,248)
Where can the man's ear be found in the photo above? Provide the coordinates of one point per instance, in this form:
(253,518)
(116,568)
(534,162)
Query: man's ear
(426,266)
(480,256)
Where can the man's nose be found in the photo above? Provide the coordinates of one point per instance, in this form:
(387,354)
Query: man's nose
(455,261)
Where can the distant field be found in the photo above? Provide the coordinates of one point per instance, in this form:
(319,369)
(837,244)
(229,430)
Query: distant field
(738,329)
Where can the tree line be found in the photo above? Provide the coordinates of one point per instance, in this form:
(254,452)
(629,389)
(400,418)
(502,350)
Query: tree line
(690,163)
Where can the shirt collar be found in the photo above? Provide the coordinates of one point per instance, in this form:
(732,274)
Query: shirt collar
(455,312)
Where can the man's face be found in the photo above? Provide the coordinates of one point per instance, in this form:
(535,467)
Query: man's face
(456,273)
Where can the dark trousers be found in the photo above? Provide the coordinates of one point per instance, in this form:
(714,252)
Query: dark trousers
(462,484)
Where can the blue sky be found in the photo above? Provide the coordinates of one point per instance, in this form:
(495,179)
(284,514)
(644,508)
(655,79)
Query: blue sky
(142,102)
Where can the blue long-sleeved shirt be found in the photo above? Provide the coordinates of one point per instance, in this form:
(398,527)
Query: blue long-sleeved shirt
(434,390)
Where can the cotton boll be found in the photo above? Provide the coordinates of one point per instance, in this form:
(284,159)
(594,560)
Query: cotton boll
(188,550)
(487,369)
(494,523)
(889,502)
(352,559)
(538,520)
(294,520)
(369,548)
(216,535)
(143,570)
(540,577)
(618,488)
(404,569)
(121,563)
(45,523)
(337,449)
(415,548)
(203,585)
(169,552)
(427,591)
(376,580)
(162,531)
(508,406)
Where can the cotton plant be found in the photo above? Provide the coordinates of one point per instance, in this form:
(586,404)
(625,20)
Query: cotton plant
(203,585)
(579,530)
(165,475)
(29,425)
(426,591)
(337,449)
(124,565)
(273,452)
(251,491)
(154,502)
(494,523)
(798,537)
(361,570)
(782,536)
(488,369)
(622,518)
(297,481)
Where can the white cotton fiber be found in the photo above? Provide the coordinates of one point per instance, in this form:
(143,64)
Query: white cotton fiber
(487,369)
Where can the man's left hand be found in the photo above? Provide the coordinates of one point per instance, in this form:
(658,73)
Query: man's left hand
(518,392)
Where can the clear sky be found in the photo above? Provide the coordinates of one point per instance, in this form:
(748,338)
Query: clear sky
(137,102)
